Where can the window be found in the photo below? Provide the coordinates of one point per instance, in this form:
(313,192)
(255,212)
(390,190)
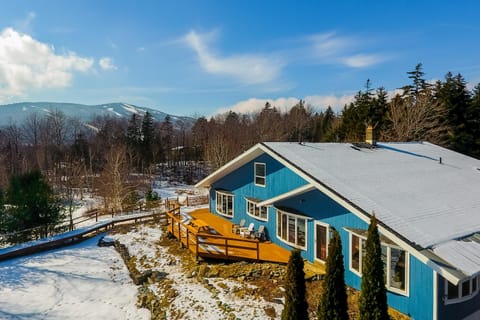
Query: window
(322,238)
(253,210)
(465,290)
(292,229)
(224,203)
(395,262)
(260,174)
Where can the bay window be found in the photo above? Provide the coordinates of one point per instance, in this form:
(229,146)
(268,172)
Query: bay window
(395,261)
(292,229)
(260,213)
(465,290)
(224,203)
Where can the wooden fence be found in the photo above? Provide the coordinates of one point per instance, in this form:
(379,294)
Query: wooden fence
(79,235)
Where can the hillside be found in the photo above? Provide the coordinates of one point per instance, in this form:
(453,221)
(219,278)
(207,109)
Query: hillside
(17,112)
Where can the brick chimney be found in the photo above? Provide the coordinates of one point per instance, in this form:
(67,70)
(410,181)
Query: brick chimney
(370,135)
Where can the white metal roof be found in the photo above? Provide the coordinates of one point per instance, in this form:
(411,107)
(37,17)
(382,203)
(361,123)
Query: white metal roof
(405,184)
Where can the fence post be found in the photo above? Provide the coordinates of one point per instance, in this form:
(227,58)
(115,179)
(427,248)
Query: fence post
(180,235)
(196,251)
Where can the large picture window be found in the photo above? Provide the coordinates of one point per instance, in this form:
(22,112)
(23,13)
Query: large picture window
(395,263)
(253,210)
(292,229)
(224,203)
(260,174)
(465,290)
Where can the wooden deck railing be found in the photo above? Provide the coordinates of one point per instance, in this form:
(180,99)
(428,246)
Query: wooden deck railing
(81,234)
(207,245)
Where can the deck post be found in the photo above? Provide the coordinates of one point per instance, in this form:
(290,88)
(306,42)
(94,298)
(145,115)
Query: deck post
(180,235)
(196,250)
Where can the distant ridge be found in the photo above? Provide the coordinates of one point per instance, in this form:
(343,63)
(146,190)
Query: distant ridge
(18,112)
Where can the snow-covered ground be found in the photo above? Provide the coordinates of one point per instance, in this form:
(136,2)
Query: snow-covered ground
(83,281)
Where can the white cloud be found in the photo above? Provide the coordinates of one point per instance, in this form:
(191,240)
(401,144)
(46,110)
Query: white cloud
(26,63)
(246,68)
(285,104)
(106,63)
(330,48)
(328,44)
(362,60)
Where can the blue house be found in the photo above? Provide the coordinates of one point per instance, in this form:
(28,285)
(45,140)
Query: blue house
(426,199)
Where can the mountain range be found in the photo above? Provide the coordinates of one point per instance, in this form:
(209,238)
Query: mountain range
(18,112)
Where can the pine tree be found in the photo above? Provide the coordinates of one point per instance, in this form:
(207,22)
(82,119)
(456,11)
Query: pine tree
(32,203)
(333,303)
(296,307)
(373,296)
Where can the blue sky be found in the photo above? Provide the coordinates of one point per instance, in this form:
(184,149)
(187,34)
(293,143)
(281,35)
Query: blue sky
(202,57)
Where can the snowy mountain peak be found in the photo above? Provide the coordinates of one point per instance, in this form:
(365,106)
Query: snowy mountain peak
(18,112)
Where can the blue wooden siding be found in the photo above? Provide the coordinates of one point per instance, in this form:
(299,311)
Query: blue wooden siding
(241,182)
(455,310)
(319,207)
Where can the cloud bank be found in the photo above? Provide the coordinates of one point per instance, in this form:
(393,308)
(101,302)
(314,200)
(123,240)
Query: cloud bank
(285,104)
(26,63)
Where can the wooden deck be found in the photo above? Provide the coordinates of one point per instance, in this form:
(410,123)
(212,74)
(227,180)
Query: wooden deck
(210,236)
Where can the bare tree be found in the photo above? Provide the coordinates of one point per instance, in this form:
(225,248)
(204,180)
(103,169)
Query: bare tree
(114,187)
(415,119)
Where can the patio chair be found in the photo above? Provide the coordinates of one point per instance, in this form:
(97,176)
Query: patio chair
(248,232)
(260,234)
(236,227)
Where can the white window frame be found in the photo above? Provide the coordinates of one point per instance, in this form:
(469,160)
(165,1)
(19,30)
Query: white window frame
(327,226)
(461,298)
(296,216)
(255,175)
(219,198)
(256,210)
(390,288)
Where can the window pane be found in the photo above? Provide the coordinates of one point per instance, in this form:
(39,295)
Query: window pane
(364,252)
(466,288)
(260,181)
(291,229)
(230,205)
(260,169)
(452,291)
(284,227)
(321,242)
(397,268)
(355,258)
(474,284)
(279,224)
(301,232)
(263,212)
(384,260)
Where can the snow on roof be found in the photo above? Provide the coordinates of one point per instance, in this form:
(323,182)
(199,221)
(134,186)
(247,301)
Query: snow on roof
(424,199)
(464,253)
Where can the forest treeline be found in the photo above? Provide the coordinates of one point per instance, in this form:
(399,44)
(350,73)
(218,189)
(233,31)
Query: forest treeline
(111,155)
(446,113)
